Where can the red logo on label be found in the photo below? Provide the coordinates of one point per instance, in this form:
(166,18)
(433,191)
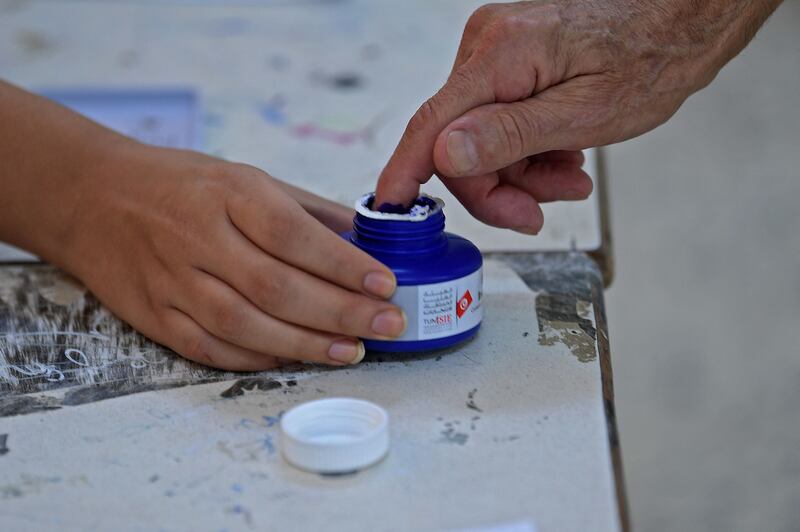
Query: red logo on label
(463,304)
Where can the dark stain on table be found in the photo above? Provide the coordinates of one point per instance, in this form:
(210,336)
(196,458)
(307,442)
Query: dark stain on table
(560,321)
(346,81)
(59,347)
(471,401)
(250,384)
(451,435)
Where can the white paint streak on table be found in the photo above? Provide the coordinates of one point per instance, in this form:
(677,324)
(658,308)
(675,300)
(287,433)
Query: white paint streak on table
(505,428)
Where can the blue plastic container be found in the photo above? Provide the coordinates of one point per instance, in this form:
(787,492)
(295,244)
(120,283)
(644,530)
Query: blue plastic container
(439,274)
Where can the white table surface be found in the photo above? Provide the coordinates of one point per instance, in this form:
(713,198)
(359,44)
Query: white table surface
(507,428)
(179,458)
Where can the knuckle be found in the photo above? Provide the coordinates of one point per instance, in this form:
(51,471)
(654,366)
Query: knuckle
(229,321)
(481,15)
(244,178)
(296,347)
(198,348)
(514,131)
(433,112)
(343,321)
(246,170)
(272,291)
(219,173)
(348,267)
(503,27)
(427,114)
(346,315)
(462,82)
(508,24)
(281,228)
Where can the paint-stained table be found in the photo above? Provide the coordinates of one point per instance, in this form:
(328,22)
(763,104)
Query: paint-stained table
(314,92)
(102,429)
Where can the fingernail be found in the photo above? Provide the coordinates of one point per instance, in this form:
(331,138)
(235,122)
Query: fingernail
(347,351)
(526,230)
(380,284)
(389,323)
(461,151)
(573,194)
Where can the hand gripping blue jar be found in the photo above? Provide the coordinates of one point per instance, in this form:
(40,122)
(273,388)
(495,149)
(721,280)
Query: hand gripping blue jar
(439,274)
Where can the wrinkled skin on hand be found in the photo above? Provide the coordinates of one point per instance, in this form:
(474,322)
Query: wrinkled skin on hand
(535,82)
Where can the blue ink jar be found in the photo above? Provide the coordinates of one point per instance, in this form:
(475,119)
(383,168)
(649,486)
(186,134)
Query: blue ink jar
(439,274)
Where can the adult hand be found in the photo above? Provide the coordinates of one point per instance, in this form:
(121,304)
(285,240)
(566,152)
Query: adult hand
(223,264)
(533,82)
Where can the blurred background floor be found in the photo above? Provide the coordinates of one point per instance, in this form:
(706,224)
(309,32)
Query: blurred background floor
(705,308)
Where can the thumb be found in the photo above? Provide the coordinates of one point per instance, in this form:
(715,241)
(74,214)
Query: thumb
(411,164)
(494,136)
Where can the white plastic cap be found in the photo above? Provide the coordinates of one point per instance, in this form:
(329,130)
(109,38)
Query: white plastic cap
(336,435)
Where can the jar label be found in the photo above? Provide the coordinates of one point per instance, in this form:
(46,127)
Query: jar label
(441,309)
